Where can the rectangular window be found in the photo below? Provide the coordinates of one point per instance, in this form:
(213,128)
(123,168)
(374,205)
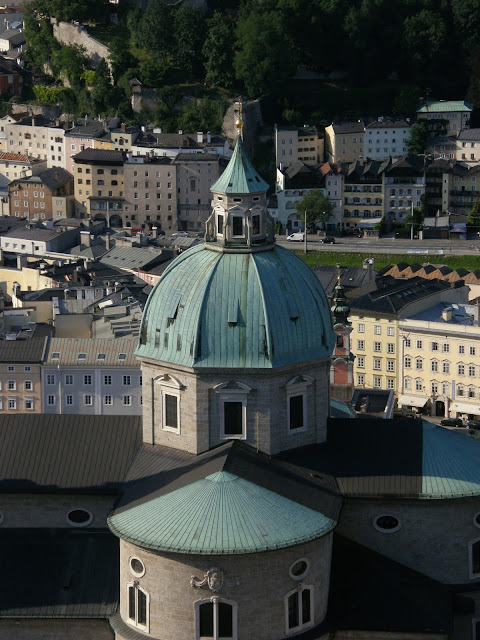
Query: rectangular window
(434,346)
(12,403)
(377,346)
(256,225)
(360,380)
(390,383)
(361,328)
(237,226)
(377,329)
(68,379)
(11,385)
(408,343)
(471,371)
(50,378)
(419,344)
(377,382)
(446,367)
(419,364)
(87,400)
(361,362)
(170,412)
(461,349)
(377,364)
(127,401)
(471,351)
(50,400)
(87,379)
(390,347)
(446,347)
(28,385)
(418,385)
(69,400)
(28,404)
(233,418)
(461,370)
(296,411)
(390,365)
(360,345)
(107,380)
(127,381)
(108,400)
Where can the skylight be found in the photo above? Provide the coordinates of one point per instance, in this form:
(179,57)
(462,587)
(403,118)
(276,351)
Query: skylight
(82,356)
(55,355)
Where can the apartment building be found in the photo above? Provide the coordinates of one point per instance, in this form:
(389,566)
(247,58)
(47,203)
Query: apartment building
(294,182)
(467,146)
(21,357)
(375,318)
(386,138)
(195,174)
(39,197)
(451,186)
(150,193)
(363,193)
(441,365)
(19,165)
(38,138)
(85,135)
(88,376)
(344,141)
(99,185)
(403,186)
(456,112)
(294,143)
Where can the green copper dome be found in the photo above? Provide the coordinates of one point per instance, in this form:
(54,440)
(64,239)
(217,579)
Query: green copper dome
(220,514)
(240,175)
(235,310)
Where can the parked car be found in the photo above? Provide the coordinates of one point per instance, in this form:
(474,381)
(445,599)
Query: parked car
(296,237)
(473,424)
(328,240)
(180,234)
(451,422)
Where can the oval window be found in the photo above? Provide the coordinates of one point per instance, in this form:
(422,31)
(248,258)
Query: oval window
(299,569)
(387,523)
(476,520)
(137,567)
(79,517)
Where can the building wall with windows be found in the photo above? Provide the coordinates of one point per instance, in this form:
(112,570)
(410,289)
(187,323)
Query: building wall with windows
(456,112)
(20,385)
(195,401)
(99,185)
(293,143)
(385,138)
(150,193)
(448,349)
(171,602)
(91,377)
(344,142)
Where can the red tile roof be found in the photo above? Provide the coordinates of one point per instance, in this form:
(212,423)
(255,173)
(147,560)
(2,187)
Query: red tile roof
(19,157)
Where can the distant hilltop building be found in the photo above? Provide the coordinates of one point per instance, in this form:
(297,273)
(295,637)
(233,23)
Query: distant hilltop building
(457,112)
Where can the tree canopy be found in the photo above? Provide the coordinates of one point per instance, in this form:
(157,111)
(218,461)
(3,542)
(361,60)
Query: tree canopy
(317,206)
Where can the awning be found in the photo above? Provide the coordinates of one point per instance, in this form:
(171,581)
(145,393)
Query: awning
(369,225)
(463,407)
(412,401)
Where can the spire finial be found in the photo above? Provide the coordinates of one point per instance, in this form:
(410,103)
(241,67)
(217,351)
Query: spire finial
(339,274)
(239,120)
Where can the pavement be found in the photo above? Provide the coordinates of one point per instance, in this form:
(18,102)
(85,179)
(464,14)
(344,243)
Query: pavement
(352,244)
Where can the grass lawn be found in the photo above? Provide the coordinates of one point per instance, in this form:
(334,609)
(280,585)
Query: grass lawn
(331,258)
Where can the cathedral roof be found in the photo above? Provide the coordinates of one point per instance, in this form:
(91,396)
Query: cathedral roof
(214,309)
(220,514)
(240,175)
(397,458)
(229,500)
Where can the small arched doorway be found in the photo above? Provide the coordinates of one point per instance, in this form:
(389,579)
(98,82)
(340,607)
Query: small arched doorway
(439,408)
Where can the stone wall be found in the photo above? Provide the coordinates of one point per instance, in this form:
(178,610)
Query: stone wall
(68,33)
(262,579)
(433,539)
(267,427)
(43,510)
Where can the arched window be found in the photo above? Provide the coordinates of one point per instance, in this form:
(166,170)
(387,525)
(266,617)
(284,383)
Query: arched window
(216,619)
(299,608)
(138,606)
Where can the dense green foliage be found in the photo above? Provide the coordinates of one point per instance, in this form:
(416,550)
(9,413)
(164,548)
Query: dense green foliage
(318,208)
(423,131)
(473,220)
(388,52)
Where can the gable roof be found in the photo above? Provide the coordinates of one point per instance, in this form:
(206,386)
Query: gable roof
(444,106)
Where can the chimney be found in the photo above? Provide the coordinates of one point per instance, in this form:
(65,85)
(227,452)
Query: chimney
(200,137)
(209,136)
(369,264)
(33,121)
(123,126)
(107,242)
(85,238)
(154,232)
(21,262)
(447,314)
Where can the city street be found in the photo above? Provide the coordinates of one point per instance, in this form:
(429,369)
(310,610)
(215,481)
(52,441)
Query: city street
(352,244)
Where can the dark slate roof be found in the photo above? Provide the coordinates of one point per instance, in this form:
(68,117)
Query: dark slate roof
(469,134)
(55,177)
(100,156)
(92,129)
(301,176)
(7,223)
(65,573)
(406,165)
(28,350)
(351,277)
(348,127)
(392,299)
(392,467)
(369,592)
(33,233)
(165,470)
(66,453)
(388,124)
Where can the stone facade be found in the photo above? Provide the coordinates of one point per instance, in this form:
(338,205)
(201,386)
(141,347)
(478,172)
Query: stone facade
(443,527)
(266,413)
(261,582)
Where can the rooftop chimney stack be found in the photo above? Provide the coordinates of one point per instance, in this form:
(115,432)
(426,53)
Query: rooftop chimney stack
(476,314)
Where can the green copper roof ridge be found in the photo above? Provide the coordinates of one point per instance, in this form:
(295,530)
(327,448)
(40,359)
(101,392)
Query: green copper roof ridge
(239,174)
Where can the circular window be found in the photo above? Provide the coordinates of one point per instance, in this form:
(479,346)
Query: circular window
(387,523)
(137,567)
(299,569)
(79,517)
(476,520)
